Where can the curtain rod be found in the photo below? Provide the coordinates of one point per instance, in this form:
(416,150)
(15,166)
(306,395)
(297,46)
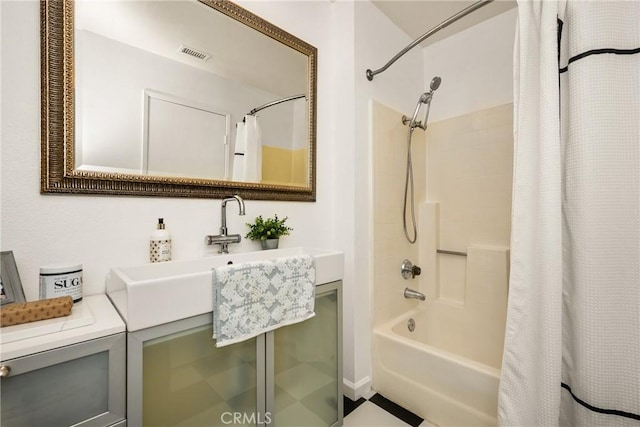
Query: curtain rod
(276,102)
(443,24)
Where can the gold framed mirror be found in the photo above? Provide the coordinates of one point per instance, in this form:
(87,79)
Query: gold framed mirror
(75,116)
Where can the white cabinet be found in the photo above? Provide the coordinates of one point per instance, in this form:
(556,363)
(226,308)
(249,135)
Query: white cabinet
(81,384)
(288,377)
(57,373)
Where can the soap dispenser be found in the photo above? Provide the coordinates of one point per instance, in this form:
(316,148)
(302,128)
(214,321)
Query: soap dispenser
(160,244)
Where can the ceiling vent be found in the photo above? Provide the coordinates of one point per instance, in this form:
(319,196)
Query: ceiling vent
(203,56)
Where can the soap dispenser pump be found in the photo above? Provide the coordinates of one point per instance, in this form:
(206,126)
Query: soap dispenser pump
(160,244)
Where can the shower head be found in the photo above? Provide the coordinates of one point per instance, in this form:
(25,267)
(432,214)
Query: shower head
(435,83)
(425,98)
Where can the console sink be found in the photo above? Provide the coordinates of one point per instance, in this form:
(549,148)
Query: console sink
(152,294)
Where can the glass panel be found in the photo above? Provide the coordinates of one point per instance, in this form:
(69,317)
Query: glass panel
(306,368)
(189,382)
(57,395)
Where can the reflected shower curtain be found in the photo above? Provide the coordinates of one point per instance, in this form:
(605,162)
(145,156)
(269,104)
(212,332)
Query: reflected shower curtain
(572,342)
(247,155)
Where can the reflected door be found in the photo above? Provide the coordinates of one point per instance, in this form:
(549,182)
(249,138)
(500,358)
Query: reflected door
(184,139)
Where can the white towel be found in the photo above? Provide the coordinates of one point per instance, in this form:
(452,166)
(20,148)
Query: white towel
(257,297)
(247,159)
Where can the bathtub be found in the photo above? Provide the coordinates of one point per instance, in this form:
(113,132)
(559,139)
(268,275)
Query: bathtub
(433,375)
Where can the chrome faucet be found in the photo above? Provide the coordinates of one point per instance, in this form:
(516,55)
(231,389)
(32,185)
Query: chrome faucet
(410,293)
(223,239)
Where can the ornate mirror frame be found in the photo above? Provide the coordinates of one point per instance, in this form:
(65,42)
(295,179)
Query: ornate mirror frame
(58,173)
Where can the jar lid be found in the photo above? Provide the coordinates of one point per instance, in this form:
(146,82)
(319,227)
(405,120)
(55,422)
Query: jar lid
(60,269)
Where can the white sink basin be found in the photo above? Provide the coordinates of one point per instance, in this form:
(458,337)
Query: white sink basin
(152,294)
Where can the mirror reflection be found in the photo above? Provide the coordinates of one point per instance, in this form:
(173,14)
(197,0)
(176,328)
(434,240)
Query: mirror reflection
(177,89)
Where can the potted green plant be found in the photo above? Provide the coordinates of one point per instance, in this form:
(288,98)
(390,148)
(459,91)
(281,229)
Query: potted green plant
(268,231)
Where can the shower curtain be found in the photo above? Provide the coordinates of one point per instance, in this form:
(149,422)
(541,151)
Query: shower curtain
(572,342)
(247,155)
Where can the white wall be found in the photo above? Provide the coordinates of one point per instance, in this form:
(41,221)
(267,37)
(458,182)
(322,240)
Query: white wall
(376,41)
(476,67)
(281,124)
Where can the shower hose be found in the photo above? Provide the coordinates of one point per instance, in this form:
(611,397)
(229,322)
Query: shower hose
(409,183)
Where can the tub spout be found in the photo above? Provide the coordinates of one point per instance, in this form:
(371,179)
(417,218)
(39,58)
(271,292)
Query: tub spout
(410,293)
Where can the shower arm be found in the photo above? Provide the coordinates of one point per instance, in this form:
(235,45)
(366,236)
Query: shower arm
(443,24)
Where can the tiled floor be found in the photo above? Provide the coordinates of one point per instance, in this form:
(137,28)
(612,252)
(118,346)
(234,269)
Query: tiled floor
(372,413)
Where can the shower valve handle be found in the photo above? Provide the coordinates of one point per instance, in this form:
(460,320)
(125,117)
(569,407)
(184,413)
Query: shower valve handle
(408,270)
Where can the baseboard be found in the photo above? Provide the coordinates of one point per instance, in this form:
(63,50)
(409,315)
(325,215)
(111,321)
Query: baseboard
(355,391)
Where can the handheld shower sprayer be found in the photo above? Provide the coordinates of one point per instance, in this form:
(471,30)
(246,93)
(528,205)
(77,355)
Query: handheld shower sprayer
(425,98)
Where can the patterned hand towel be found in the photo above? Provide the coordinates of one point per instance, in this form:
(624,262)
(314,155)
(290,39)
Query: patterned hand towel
(256,297)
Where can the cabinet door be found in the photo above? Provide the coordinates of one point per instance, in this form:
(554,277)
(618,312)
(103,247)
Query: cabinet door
(184,380)
(307,366)
(81,384)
